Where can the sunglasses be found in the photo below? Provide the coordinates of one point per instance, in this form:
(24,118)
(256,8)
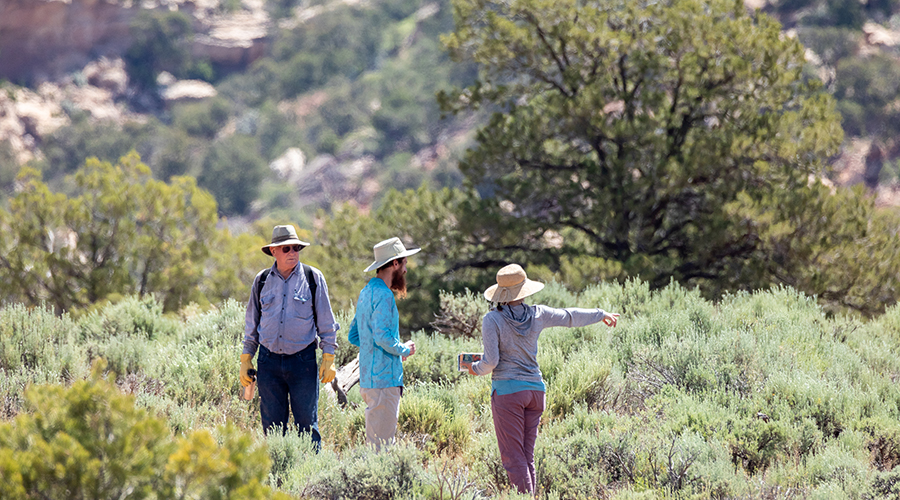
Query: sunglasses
(289,248)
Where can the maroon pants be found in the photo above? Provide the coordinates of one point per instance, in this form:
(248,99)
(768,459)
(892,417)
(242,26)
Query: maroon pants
(516,420)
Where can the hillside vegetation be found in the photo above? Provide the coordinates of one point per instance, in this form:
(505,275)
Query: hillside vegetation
(681,141)
(757,396)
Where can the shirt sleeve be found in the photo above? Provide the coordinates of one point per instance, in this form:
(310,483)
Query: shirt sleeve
(569,317)
(353,334)
(251,320)
(326,325)
(490,340)
(384,332)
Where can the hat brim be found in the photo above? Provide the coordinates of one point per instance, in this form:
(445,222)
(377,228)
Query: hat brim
(496,293)
(293,241)
(377,264)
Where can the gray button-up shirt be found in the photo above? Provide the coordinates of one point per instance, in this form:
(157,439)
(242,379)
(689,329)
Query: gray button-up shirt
(285,324)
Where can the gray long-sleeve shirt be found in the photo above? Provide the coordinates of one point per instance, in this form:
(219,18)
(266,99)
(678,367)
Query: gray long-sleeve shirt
(510,338)
(285,324)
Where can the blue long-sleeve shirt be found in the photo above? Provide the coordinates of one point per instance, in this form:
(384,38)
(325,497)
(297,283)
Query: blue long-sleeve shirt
(376,330)
(285,324)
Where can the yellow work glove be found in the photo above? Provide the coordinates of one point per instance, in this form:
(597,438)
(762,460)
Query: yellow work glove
(246,365)
(326,371)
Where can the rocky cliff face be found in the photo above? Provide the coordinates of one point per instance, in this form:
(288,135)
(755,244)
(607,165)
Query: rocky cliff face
(69,51)
(42,40)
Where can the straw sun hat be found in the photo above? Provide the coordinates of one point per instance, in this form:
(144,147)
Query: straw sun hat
(512,284)
(389,250)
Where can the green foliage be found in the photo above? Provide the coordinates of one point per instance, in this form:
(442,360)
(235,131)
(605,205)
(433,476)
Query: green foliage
(38,340)
(420,218)
(582,378)
(460,315)
(232,172)
(340,43)
(427,420)
(67,148)
(131,317)
(175,154)
(9,168)
(845,14)
(161,42)
(756,394)
(236,262)
(120,233)
(365,474)
(867,90)
(280,8)
(203,119)
(580,457)
(830,44)
(89,441)
(837,246)
(437,362)
(636,125)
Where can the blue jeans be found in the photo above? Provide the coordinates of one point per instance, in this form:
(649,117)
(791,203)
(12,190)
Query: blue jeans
(289,382)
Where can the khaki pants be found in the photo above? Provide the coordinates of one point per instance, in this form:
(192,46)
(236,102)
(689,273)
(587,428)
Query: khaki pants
(382,411)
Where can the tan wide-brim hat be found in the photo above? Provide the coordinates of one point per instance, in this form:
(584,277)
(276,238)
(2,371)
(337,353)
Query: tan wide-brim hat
(388,250)
(283,235)
(512,284)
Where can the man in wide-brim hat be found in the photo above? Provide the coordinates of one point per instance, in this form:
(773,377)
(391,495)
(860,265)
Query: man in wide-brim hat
(288,316)
(376,330)
(509,334)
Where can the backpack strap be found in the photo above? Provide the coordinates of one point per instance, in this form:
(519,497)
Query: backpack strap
(312,291)
(263,275)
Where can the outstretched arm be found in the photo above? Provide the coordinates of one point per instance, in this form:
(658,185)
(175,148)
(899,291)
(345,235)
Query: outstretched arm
(575,316)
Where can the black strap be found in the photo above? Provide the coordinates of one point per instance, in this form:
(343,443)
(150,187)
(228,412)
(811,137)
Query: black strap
(259,286)
(312,290)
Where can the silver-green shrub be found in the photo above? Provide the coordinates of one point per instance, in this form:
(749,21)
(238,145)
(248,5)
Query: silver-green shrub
(37,339)
(758,395)
(366,474)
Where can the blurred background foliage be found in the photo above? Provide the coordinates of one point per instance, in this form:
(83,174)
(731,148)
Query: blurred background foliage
(565,171)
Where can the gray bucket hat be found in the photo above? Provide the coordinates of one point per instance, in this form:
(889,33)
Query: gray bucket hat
(388,250)
(283,235)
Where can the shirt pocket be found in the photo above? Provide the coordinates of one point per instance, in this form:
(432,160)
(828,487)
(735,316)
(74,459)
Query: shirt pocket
(266,302)
(382,369)
(299,319)
(303,294)
(301,311)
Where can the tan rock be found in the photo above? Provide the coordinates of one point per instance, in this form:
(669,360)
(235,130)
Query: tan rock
(289,165)
(107,74)
(43,39)
(188,90)
(851,165)
(879,35)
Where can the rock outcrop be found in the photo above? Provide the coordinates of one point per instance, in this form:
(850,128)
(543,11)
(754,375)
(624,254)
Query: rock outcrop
(43,40)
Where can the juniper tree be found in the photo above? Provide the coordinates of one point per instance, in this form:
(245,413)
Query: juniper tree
(632,129)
